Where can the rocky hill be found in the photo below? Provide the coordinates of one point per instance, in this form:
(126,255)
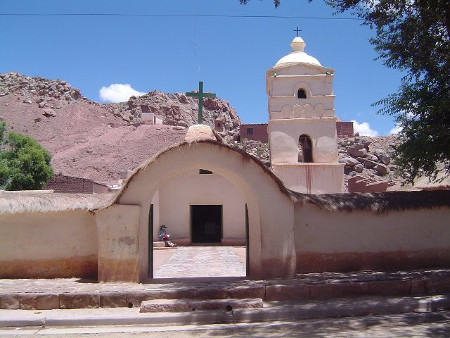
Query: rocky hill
(98,141)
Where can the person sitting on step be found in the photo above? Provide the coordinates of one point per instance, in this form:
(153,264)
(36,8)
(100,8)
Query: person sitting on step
(164,236)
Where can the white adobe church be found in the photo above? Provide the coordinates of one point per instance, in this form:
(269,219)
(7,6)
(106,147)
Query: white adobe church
(208,192)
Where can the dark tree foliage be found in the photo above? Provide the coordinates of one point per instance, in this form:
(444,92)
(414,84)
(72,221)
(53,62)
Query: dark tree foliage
(413,36)
(275,2)
(24,164)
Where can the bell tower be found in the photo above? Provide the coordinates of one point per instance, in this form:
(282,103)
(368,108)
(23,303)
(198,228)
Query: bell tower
(302,125)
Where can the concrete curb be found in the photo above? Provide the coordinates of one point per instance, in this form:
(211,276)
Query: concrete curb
(29,294)
(273,311)
(289,290)
(187,305)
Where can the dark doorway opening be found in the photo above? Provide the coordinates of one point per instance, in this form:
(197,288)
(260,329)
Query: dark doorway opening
(206,223)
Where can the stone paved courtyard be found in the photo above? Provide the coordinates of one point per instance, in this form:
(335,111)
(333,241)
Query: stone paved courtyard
(199,261)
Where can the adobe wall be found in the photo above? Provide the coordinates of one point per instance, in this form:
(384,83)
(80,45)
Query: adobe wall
(311,178)
(190,188)
(363,240)
(48,245)
(260,131)
(284,136)
(118,243)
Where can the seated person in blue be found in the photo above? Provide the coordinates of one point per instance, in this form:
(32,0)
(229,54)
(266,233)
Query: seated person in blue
(164,236)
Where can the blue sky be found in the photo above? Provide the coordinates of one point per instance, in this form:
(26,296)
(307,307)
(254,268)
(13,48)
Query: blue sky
(170,45)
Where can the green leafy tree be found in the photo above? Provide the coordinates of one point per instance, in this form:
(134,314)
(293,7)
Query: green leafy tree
(24,164)
(413,36)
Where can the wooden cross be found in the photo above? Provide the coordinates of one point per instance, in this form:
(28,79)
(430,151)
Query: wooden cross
(200,94)
(297,30)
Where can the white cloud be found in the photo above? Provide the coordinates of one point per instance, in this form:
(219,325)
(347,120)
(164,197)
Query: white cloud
(118,92)
(395,130)
(364,129)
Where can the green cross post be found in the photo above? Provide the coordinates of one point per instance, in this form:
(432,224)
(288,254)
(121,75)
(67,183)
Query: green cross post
(200,94)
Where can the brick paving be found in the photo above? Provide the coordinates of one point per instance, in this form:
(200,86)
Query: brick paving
(202,261)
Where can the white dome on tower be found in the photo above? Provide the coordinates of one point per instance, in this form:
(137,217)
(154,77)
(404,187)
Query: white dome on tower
(297,55)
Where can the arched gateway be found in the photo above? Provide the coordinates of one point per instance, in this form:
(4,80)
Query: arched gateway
(125,224)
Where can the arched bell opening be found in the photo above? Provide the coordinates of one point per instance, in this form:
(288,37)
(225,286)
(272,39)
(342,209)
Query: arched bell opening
(301,94)
(305,149)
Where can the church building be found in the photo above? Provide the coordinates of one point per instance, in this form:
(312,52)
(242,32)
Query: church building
(302,124)
(292,218)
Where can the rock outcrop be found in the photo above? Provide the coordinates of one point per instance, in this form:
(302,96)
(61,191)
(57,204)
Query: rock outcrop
(367,162)
(179,110)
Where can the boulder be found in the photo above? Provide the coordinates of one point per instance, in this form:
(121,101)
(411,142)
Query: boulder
(385,159)
(372,157)
(355,152)
(349,161)
(368,164)
(48,112)
(358,168)
(382,156)
(366,142)
(381,169)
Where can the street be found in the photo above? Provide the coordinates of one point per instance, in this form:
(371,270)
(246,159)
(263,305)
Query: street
(433,324)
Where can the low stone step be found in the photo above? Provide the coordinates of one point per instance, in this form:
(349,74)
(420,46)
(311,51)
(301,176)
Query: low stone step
(187,305)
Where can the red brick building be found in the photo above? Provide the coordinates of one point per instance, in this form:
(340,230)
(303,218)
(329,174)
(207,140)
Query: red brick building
(344,128)
(69,184)
(257,132)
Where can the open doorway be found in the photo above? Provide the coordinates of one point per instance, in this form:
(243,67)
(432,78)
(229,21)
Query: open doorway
(206,223)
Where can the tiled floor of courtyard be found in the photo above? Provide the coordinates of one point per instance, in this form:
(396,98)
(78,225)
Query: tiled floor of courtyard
(199,261)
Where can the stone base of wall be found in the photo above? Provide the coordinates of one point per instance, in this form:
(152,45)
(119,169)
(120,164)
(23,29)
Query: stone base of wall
(81,267)
(384,261)
(234,241)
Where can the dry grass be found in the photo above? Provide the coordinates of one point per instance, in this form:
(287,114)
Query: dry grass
(379,202)
(15,202)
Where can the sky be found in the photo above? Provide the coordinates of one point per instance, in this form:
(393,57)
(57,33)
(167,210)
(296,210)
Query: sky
(111,49)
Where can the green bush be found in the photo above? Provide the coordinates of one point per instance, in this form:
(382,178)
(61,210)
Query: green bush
(24,164)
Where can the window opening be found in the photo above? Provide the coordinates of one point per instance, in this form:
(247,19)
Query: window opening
(204,172)
(301,94)
(249,131)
